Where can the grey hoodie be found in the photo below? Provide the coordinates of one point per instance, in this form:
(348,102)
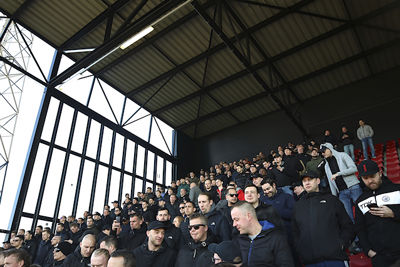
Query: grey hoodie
(346,166)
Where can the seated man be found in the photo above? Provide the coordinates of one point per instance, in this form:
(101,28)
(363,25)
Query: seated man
(155,252)
(378,216)
(194,252)
(100,258)
(17,257)
(122,258)
(81,256)
(61,252)
(261,243)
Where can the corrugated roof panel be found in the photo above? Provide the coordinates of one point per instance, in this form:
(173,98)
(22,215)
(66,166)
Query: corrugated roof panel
(290,31)
(142,67)
(12,6)
(357,10)
(58,20)
(215,124)
(189,131)
(183,113)
(196,71)
(180,86)
(385,60)
(372,37)
(255,109)
(249,51)
(144,95)
(237,90)
(221,65)
(265,73)
(252,14)
(346,74)
(319,55)
(187,41)
(208,105)
(334,9)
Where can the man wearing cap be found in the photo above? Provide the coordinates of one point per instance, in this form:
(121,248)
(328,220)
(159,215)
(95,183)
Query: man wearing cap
(261,243)
(378,216)
(60,252)
(154,252)
(322,229)
(340,171)
(226,251)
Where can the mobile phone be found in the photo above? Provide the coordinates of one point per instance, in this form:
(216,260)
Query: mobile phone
(118,219)
(372,205)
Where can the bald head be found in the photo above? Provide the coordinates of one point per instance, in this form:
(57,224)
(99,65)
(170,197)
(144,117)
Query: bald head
(88,245)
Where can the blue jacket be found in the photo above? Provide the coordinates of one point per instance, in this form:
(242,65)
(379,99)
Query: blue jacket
(282,203)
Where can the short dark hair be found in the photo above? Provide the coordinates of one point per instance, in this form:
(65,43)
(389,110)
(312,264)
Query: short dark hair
(251,185)
(129,259)
(268,181)
(110,240)
(208,195)
(199,216)
(140,217)
(161,209)
(191,202)
(22,237)
(21,255)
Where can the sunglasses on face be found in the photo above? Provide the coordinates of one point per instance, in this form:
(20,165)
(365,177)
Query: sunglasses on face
(233,195)
(181,207)
(231,184)
(195,226)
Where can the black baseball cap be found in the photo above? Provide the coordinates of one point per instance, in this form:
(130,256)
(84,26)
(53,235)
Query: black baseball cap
(367,167)
(156,225)
(227,251)
(65,247)
(310,174)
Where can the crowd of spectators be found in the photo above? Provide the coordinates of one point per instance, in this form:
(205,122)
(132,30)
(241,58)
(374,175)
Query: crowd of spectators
(292,207)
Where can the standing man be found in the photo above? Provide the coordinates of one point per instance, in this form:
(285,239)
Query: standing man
(347,141)
(43,248)
(261,243)
(322,229)
(153,252)
(365,133)
(378,216)
(131,237)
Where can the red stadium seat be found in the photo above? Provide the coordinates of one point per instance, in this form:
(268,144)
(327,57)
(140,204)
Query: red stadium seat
(360,260)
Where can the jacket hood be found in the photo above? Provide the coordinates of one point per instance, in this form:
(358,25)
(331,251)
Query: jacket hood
(266,225)
(330,146)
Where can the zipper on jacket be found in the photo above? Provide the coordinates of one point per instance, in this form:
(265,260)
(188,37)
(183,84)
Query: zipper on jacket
(249,254)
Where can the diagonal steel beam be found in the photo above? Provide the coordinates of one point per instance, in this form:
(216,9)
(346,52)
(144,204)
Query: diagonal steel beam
(275,58)
(114,42)
(221,46)
(247,65)
(303,78)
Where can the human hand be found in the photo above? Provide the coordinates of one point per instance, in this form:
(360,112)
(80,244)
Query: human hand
(382,211)
(371,253)
(333,177)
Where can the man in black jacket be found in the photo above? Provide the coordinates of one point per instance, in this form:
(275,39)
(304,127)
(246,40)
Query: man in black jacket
(133,236)
(322,229)
(172,234)
(43,248)
(61,252)
(30,244)
(81,256)
(261,243)
(378,216)
(154,252)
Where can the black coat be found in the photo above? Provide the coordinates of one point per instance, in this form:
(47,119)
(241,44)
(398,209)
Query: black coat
(131,239)
(241,180)
(193,254)
(267,212)
(269,248)
(75,259)
(382,235)
(164,257)
(42,251)
(172,236)
(322,229)
(219,225)
(31,247)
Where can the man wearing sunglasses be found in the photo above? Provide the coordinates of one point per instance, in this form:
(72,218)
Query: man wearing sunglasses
(60,252)
(224,206)
(195,253)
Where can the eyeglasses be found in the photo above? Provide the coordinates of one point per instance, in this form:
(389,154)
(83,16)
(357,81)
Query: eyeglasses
(233,195)
(231,184)
(195,226)
(56,250)
(181,207)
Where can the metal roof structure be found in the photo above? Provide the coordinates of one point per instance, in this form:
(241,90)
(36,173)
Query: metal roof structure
(210,65)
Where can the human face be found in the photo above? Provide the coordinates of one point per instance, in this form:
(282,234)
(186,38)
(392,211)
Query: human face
(361,122)
(172,199)
(232,196)
(59,228)
(55,240)
(204,204)
(38,230)
(217,259)
(17,242)
(199,234)
(28,236)
(144,205)
(74,229)
(45,236)
(176,222)
(163,216)
(135,223)
(240,220)
(314,153)
(12,261)
(87,247)
(269,190)
(251,195)
(98,261)
(257,181)
(189,209)
(156,237)
(298,190)
(373,181)
(207,184)
(182,208)
(327,153)
(311,184)
(116,262)
(218,182)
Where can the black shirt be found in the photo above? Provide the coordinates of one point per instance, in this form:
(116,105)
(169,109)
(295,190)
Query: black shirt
(333,165)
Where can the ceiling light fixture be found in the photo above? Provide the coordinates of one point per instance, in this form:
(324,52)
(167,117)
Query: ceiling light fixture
(137,37)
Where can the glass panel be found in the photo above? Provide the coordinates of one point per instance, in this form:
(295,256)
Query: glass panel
(150,166)
(114,186)
(50,119)
(65,126)
(118,148)
(52,183)
(160,166)
(44,223)
(71,178)
(138,186)
(127,185)
(36,178)
(141,127)
(3,237)
(100,194)
(26,223)
(79,134)
(84,194)
(140,161)
(98,103)
(156,137)
(106,145)
(168,173)
(130,153)
(93,139)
